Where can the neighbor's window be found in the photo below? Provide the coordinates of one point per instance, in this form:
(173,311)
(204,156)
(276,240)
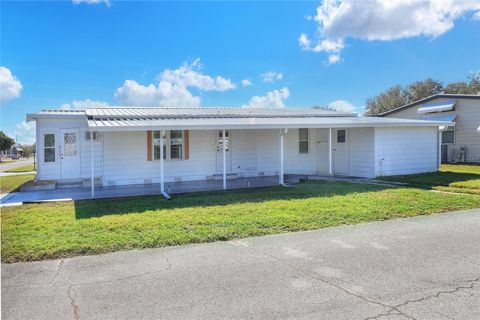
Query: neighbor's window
(49,147)
(303,140)
(176,144)
(156,146)
(340,136)
(448,136)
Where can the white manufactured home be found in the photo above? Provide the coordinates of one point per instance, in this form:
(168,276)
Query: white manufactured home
(461,139)
(127,146)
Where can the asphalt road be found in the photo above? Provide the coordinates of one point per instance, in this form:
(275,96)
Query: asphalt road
(419,268)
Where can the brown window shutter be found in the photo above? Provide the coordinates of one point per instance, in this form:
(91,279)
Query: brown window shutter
(149,145)
(186,144)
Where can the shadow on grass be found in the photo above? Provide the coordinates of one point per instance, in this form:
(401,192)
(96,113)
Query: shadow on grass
(434,179)
(86,209)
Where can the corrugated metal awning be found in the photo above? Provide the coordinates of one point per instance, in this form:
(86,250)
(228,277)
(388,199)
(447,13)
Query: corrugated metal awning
(439,106)
(446,117)
(141,124)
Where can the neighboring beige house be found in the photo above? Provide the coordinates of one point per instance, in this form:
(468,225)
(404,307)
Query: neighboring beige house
(460,142)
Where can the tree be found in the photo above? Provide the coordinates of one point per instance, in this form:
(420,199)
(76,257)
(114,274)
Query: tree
(390,99)
(422,89)
(474,83)
(5,141)
(460,87)
(397,96)
(27,150)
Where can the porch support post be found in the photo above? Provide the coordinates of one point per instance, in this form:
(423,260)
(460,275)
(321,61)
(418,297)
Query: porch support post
(224,151)
(92,176)
(282,157)
(162,182)
(330,152)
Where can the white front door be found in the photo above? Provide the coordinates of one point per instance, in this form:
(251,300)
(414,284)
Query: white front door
(322,151)
(340,151)
(219,150)
(70,153)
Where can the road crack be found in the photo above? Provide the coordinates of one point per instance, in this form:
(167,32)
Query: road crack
(59,267)
(391,309)
(72,295)
(470,284)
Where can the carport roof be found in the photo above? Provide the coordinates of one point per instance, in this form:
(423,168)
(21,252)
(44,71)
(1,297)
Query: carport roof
(140,119)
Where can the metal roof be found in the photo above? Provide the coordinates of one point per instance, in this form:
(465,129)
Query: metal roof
(165,113)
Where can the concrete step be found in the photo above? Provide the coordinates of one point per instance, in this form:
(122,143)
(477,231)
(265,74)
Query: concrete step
(68,184)
(219,176)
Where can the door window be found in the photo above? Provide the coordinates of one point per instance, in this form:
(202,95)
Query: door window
(340,136)
(220,140)
(69,144)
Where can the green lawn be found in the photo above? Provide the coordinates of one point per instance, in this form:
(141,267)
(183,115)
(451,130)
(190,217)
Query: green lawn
(452,177)
(26,168)
(53,230)
(13,183)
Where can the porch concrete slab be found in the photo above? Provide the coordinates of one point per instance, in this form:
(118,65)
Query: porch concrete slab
(80,193)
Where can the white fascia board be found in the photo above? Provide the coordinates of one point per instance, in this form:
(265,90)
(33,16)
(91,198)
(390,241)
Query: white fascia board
(37,116)
(264,126)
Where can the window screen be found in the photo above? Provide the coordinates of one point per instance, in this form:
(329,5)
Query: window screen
(303,140)
(448,136)
(341,136)
(49,147)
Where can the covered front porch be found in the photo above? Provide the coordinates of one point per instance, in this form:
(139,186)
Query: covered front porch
(212,159)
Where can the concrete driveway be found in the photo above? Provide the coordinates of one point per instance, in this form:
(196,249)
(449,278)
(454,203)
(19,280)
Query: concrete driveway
(419,268)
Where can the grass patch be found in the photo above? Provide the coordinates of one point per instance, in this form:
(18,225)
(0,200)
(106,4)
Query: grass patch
(26,168)
(53,230)
(13,183)
(452,177)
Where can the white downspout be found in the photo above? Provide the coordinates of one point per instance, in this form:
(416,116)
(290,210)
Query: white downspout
(224,151)
(162,182)
(92,177)
(330,156)
(282,158)
(439,148)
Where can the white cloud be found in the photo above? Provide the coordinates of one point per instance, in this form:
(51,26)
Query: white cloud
(24,132)
(10,86)
(246,83)
(83,104)
(342,106)
(382,20)
(273,99)
(271,76)
(173,86)
(333,58)
(107,2)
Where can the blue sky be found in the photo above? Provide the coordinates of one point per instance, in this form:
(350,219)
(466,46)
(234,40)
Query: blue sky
(199,53)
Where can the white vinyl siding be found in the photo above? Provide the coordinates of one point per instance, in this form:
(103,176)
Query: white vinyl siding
(361,144)
(401,150)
